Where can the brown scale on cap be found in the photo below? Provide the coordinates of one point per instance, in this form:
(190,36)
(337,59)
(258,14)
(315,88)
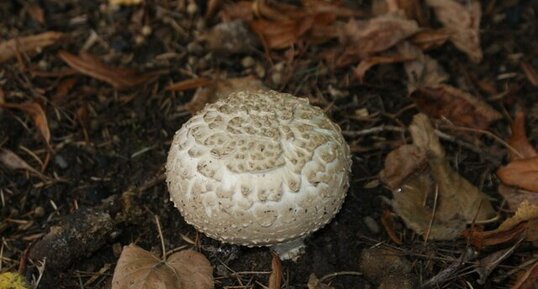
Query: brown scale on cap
(258,168)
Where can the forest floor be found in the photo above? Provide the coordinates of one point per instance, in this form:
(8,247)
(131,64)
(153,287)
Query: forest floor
(91,94)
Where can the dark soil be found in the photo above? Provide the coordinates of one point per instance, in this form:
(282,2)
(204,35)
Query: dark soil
(107,142)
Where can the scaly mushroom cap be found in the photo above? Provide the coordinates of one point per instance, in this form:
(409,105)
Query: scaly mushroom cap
(258,168)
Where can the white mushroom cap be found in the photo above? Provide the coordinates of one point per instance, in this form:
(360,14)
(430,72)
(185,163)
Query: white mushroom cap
(258,168)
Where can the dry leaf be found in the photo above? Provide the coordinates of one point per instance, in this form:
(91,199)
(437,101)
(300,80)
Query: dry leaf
(124,2)
(518,140)
(515,196)
(33,43)
(530,73)
(120,78)
(369,62)
(14,162)
(364,37)
(463,21)
(430,38)
(521,173)
(188,84)
(36,112)
(435,201)
(458,106)
(422,70)
(221,88)
(275,279)
(523,223)
(413,9)
(35,12)
(139,269)
(378,263)
(528,279)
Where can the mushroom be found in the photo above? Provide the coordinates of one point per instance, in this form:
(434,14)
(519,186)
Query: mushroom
(259,168)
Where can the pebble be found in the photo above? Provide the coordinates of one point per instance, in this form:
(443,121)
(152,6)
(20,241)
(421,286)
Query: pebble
(259,70)
(61,162)
(192,8)
(39,212)
(247,62)
(371,224)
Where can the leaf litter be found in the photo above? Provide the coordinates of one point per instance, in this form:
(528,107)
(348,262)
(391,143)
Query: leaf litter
(432,199)
(139,269)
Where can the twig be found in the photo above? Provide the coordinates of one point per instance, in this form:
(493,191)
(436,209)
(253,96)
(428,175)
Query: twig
(161,236)
(342,273)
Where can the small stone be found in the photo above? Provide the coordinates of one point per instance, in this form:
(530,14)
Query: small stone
(39,212)
(146,30)
(371,224)
(192,8)
(247,62)
(259,70)
(231,37)
(61,162)
(276,77)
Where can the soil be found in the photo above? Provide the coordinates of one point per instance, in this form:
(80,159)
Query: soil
(108,144)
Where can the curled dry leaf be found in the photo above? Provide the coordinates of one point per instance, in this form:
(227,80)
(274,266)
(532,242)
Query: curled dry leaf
(521,173)
(120,78)
(518,139)
(430,38)
(462,20)
(364,37)
(33,43)
(221,88)
(188,84)
(524,223)
(275,279)
(369,62)
(36,112)
(432,199)
(515,196)
(139,269)
(456,105)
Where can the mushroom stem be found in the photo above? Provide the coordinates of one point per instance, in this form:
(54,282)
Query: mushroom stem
(290,250)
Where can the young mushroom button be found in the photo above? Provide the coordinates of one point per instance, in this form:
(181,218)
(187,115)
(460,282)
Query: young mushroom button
(259,168)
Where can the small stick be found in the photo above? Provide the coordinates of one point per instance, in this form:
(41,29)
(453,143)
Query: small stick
(161,236)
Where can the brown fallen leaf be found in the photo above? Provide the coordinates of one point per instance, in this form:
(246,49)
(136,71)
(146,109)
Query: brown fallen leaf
(521,173)
(430,38)
(435,201)
(120,78)
(188,84)
(275,279)
(518,139)
(13,162)
(458,106)
(220,88)
(364,37)
(27,44)
(36,112)
(527,279)
(515,196)
(369,62)
(463,21)
(530,73)
(139,269)
(523,223)
(422,70)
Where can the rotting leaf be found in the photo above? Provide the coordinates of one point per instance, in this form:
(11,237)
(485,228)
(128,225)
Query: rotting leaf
(463,23)
(36,112)
(14,162)
(522,173)
(275,279)
(456,105)
(120,78)
(221,88)
(435,202)
(9,49)
(139,269)
(515,196)
(364,37)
